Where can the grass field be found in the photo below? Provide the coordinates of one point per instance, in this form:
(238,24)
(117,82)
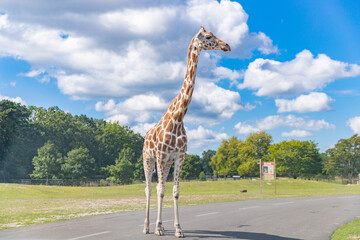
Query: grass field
(349,231)
(22,205)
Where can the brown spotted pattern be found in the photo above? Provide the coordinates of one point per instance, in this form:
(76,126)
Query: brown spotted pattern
(166,142)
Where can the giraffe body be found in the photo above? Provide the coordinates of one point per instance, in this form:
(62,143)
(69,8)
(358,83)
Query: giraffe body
(166,142)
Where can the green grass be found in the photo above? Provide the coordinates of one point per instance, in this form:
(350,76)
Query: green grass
(22,205)
(348,231)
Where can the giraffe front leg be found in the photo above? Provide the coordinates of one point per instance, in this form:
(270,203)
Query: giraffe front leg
(163,171)
(159,229)
(149,165)
(178,165)
(148,194)
(178,231)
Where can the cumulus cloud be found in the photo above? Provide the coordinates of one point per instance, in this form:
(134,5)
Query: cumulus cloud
(276,121)
(109,50)
(297,134)
(212,104)
(313,102)
(33,73)
(201,136)
(229,20)
(139,21)
(305,73)
(354,124)
(139,108)
(142,128)
(244,128)
(15,99)
(124,49)
(225,73)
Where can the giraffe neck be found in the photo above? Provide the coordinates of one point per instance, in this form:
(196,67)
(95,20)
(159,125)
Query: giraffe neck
(180,104)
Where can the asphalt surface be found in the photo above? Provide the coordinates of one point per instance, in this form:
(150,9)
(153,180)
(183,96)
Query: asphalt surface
(310,218)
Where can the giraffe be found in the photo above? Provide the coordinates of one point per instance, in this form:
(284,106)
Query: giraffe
(166,142)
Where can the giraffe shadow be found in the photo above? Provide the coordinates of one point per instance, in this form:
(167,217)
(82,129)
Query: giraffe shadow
(204,234)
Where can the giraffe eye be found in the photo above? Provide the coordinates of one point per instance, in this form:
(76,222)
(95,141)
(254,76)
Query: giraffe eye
(208,37)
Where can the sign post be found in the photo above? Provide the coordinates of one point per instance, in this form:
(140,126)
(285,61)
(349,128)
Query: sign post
(275,174)
(260,176)
(268,172)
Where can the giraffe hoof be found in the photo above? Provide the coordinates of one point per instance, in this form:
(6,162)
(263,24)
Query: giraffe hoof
(146,230)
(159,232)
(179,234)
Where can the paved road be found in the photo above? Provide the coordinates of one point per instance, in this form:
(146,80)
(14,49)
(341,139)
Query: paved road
(312,218)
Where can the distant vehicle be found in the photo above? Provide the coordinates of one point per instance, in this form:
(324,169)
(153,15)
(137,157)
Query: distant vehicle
(236,177)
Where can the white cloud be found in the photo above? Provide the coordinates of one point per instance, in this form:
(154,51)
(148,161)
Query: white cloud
(354,124)
(305,73)
(212,104)
(313,102)
(13,84)
(289,121)
(202,136)
(139,21)
(229,20)
(40,74)
(243,128)
(112,49)
(297,134)
(123,50)
(139,108)
(33,73)
(142,128)
(226,73)
(16,99)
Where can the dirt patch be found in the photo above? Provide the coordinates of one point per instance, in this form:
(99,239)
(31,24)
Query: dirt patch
(354,237)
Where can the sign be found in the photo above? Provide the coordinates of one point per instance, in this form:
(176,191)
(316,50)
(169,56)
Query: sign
(268,170)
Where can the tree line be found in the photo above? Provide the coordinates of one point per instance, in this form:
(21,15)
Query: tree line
(294,158)
(52,144)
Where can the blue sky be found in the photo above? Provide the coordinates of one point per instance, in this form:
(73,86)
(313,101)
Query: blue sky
(294,69)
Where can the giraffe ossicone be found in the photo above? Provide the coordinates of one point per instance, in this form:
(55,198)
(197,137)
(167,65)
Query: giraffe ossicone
(166,142)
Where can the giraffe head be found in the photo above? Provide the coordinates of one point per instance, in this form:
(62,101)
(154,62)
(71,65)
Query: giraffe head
(208,41)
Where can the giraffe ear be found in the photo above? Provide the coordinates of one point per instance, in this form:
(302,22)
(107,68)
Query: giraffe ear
(200,34)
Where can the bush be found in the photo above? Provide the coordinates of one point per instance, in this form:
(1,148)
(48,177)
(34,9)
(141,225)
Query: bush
(202,176)
(104,183)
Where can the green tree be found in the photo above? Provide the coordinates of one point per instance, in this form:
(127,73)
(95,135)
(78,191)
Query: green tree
(344,158)
(254,148)
(123,169)
(202,176)
(226,160)
(47,164)
(112,138)
(205,161)
(19,140)
(64,130)
(139,169)
(296,158)
(78,164)
(69,132)
(191,167)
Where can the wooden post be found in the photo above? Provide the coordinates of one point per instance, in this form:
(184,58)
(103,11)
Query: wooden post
(275,174)
(260,176)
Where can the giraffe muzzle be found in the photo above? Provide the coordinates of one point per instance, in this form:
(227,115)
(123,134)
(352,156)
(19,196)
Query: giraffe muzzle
(226,47)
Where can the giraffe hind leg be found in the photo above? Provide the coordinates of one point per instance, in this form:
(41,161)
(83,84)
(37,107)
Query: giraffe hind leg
(149,164)
(163,171)
(177,169)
